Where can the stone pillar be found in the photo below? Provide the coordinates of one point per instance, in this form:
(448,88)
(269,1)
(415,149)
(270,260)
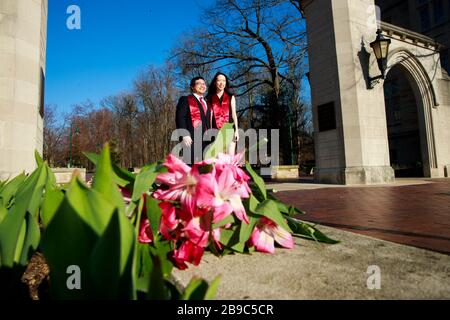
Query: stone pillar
(23,33)
(349,118)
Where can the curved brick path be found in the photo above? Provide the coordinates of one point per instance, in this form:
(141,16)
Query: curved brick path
(416,215)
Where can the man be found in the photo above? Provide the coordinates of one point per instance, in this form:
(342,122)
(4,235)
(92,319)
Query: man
(194,115)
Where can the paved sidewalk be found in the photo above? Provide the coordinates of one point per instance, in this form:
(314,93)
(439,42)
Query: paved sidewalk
(415,212)
(319,271)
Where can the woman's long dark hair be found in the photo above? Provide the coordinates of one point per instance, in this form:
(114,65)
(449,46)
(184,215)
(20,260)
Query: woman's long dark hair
(212,89)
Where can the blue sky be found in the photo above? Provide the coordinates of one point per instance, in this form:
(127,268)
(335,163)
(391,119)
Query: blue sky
(117,39)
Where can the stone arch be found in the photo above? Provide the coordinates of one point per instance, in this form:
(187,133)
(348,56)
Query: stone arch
(425,98)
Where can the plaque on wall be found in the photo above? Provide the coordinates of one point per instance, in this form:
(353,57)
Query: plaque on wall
(326,117)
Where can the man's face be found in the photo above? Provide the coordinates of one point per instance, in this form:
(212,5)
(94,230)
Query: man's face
(199,87)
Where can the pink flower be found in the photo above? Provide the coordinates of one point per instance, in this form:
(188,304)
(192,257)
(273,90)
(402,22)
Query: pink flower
(188,252)
(126,194)
(145,232)
(266,232)
(181,182)
(222,192)
(168,215)
(199,229)
(233,162)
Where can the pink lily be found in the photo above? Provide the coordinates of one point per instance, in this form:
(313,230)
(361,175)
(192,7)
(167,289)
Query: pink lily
(145,232)
(188,252)
(180,180)
(223,193)
(199,229)
(266,232)
(234,162)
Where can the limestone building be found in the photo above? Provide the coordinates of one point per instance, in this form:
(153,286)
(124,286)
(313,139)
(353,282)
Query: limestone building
(428,17)
(368,128)
(23,33)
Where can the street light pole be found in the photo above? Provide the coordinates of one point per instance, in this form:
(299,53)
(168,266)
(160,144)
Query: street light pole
(70,143)
(290,133)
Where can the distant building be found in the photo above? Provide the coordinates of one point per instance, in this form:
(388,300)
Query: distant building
(428,17)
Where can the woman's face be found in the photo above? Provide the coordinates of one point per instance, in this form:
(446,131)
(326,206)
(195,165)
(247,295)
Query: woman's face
(221,82)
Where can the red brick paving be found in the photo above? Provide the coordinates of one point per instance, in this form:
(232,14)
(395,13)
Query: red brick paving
(416,215)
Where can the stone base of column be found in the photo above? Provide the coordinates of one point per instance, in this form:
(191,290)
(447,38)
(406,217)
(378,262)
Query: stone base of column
(355,175)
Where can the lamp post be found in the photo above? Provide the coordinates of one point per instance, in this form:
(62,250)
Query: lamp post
(289,118)
(77,131)
(380,47)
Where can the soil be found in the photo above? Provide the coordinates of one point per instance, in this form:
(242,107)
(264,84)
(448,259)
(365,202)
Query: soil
(36,277)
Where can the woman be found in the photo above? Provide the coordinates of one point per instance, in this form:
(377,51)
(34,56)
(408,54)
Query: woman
(223,104)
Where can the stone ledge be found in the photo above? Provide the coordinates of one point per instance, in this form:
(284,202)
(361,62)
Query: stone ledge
(285,172)
(64,175)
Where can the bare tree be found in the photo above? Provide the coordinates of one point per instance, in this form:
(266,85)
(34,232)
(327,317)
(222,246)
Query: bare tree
(156,96)
(253,35)
(54,135)
(259,43)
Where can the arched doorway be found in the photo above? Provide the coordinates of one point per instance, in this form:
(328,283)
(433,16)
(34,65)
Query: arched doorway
(402,119)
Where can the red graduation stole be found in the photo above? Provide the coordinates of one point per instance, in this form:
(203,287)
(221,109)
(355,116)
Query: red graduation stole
(195,112)
(221,111)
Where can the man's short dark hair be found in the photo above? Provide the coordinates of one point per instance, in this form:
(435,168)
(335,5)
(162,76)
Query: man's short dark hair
(194,80)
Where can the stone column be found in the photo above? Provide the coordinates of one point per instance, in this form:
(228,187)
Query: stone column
(349,118)
(23,33)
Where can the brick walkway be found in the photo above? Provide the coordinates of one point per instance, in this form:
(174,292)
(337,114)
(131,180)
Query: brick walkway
(417,215)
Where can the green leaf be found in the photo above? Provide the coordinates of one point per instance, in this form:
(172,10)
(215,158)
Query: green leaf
(246,229)
(289,210)
(20,241)
(121,177)
(27,199)
(104,182)
(157,285)
(68,241)
(223,222)
(143,183)
(3,213)
(253,203)
(91,206)
(93,157)
(293,211)
(52,200)
(36,190)
(162,249)
(153,213)
(230,238)
(10,188)
(51,179)
(307,231)
(223,140)
(38,158)
(112,260)
(31,241)
(195,290)
(269,209)
(257,179)
(212,290)
(143,266)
